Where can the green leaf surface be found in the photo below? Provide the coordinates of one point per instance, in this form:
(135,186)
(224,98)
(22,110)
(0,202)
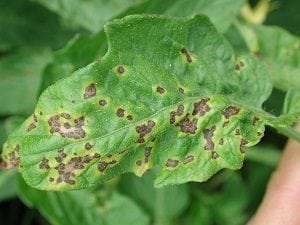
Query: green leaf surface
(179,100)
(83,207)
(20,76)
(24,23)
(164,205)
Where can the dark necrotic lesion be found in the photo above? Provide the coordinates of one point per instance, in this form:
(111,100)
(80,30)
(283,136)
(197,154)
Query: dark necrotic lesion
(187,55)
(172,163)
(65,129)
(144,129)
(90,91)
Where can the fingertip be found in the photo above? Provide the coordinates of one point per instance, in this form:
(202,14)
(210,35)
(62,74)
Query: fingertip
(281,203)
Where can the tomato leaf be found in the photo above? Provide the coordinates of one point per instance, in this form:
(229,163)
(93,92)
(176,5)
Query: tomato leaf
(178,99)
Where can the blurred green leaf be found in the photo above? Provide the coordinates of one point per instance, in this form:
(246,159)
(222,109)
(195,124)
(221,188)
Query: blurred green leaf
(24,23)
(292,102)
(221,12)
(286,15)
(85,207)
(278,49)
(12,123)
(92,14)
(20,76)
(226,207)
(3,135)
(256,176)
(164,205)
(264,154)
(8,186)
(70,58)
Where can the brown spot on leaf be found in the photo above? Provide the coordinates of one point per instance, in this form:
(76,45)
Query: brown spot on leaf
(188,126)
(120,112)
(239,65)
(208,134)
(147,154)
(214,155)
(144,129)
(242,145)
(129,117)
(31,127)
(187,55)
(102,102)
(33,124)
(121,70)
(67,125)
(61,155)
(255,120)
(13,158)
(259,134)
(230,111)
(181,90)
(44,164)
(160,90)
(51,179)
(112,162)
(188,159)
(138,162)
(237,132)
(88,146)
(201,107)
(257,53)
(179,112)
(65,115)
(66,129)
(225,123)
(172,163)
(66,171)
(102,166)
(221,141)
(97,156)
(145,172)
(90,91)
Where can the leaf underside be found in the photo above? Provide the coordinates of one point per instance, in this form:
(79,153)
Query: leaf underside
(169,93)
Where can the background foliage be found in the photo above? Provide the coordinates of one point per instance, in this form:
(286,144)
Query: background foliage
(44,41)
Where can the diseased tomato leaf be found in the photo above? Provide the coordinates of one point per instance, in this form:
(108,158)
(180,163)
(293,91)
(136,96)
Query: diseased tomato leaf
(169,93)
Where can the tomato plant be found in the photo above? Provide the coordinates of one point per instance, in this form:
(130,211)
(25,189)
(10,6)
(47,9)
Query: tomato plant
(171,91)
